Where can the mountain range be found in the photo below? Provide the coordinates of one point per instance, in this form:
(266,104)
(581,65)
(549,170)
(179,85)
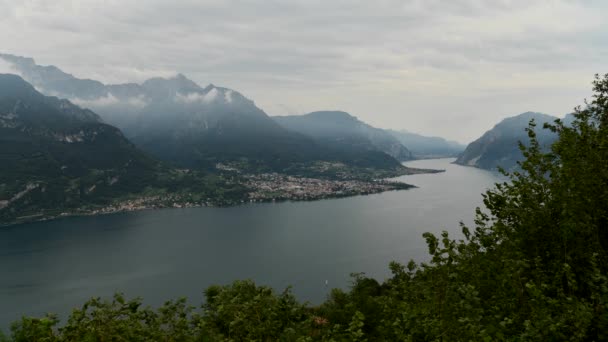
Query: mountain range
(78,146)
(177,121)
(183,124)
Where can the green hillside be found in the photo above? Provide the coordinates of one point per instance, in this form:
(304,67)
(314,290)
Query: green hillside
(56,158)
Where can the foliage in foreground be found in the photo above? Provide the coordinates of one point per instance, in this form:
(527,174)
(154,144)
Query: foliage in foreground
(534,268)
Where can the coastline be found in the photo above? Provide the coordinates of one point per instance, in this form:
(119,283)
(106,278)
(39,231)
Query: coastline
(146,203)
(262,188)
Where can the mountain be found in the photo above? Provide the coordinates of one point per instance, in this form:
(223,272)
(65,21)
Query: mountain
(177,121)
(199,127)
(427,147)
(499,146)
(56,157)
(53,150)
(340,130)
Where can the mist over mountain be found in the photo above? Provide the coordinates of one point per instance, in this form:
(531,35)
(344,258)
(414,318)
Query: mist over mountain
(178,121)
(499,146)
(199,127)
(127,105)
(175,119)
(57,158)
(60,154)
(343,131)
(427,147)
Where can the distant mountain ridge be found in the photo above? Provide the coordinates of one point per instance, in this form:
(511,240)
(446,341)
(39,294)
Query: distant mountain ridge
(342,130)
(499,146)
(58,159)
(125,104)
(178,121)
(428,147)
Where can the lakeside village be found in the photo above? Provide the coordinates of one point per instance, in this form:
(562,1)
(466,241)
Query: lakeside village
(335,182)
(266,187)
(277,187)
(260,188)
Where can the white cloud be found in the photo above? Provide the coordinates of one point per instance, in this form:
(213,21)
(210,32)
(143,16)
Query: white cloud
(110,100)
(7,68)
(189,98)
(228,96)
(117,74)
(197,97)
(136,102)
(211,95)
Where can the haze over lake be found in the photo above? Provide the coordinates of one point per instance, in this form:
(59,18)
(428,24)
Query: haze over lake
(165,254)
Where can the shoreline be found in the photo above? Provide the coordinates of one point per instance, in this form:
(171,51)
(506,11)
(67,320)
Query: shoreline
(262,188)
(128,205)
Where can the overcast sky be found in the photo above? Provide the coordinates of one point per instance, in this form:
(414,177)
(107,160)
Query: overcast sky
(451,68)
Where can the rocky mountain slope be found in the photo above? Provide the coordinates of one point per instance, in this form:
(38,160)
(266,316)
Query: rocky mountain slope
(499,146)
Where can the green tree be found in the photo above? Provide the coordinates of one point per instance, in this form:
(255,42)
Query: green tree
(243,311)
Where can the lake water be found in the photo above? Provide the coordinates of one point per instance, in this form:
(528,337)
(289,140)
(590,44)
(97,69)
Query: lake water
(171,253)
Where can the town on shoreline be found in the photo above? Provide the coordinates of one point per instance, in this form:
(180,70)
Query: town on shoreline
(261,188)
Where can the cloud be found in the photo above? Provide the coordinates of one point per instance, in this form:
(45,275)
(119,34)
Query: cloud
(208,97)
(7,68)
(117,74)
(136,102)
(109,100)
(393,63)
(228,96)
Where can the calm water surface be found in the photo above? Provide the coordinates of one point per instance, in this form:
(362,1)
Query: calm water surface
(165,254)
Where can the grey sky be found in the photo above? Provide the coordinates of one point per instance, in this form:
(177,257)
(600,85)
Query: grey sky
(449,68)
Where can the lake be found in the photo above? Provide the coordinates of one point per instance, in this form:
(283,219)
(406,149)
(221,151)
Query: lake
(170,253)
